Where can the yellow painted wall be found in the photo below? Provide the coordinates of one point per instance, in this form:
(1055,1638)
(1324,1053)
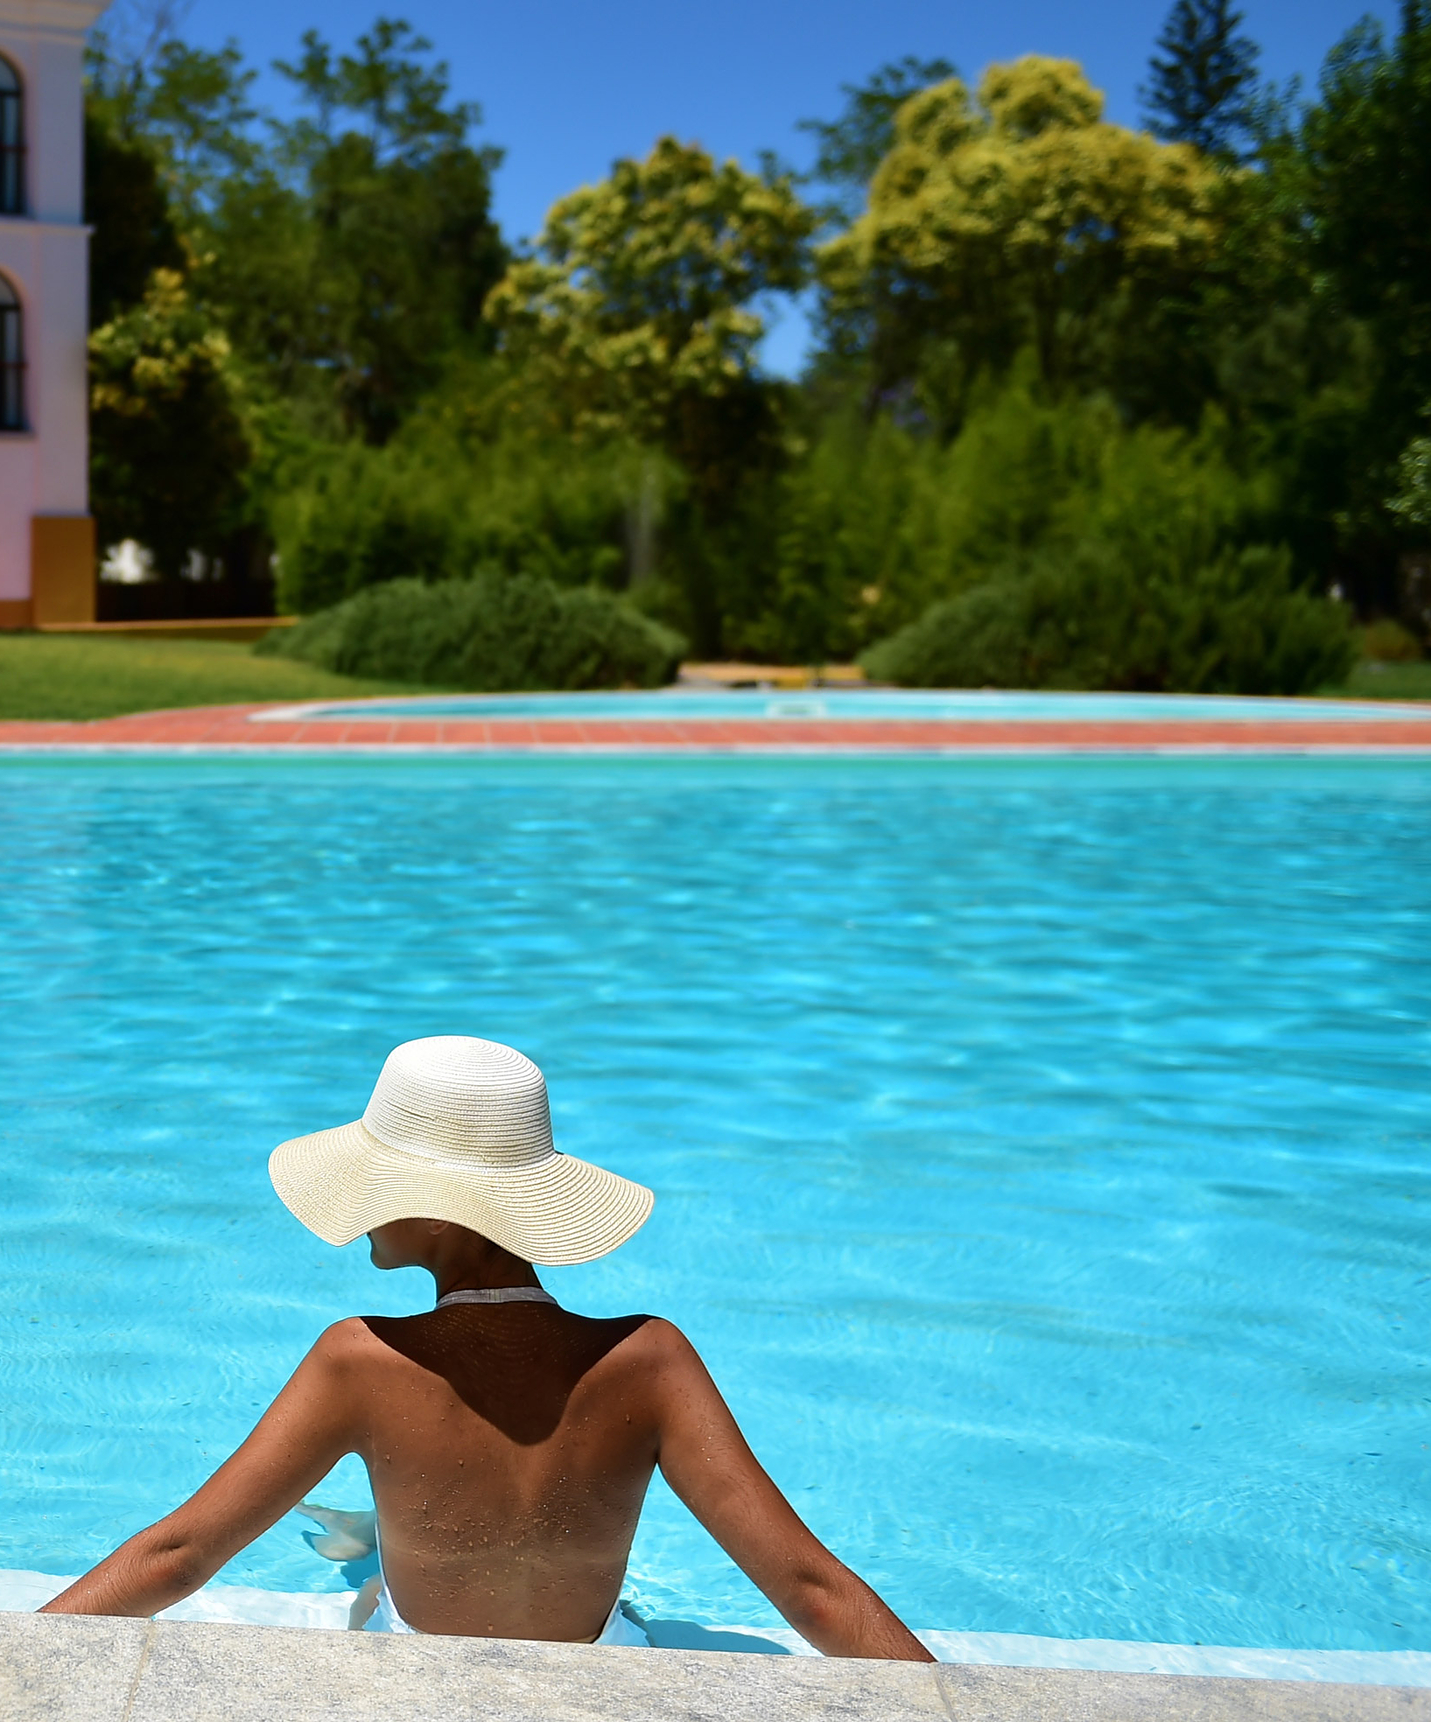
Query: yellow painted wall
(62,569)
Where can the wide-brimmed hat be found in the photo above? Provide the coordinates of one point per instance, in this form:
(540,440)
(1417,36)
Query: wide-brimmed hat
(459,1129)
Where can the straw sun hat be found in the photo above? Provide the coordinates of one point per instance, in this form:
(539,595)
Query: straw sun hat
(458,1129)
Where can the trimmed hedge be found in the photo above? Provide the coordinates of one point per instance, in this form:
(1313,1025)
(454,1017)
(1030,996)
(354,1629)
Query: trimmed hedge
(1084,620)
(495,633)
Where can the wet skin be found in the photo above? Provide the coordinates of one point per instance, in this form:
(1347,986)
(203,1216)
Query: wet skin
(510,1447)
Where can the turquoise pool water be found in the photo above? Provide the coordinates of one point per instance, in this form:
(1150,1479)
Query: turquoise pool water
(1041,1148)
(864,705)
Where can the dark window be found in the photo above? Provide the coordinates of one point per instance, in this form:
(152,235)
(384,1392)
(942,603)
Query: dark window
(12,360)
(12,141)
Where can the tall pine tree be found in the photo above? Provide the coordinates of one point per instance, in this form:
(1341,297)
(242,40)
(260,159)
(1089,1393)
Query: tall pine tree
(1203,78)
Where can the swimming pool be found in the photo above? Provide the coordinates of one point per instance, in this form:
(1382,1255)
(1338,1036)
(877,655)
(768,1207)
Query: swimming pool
(1040,1146)
(889,705)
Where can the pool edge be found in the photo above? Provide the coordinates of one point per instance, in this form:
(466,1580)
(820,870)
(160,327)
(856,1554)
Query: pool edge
(69,1668)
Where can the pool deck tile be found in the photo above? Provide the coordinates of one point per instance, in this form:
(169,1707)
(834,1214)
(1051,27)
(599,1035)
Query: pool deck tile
(84,1676)
(232,729)
(63,1668)
(1080,1695)
(57,1668)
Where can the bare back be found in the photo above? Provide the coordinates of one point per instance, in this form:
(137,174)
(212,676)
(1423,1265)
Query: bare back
(510,1448)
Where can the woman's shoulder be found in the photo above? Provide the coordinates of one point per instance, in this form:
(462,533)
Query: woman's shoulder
(653,1340)
(351,1340)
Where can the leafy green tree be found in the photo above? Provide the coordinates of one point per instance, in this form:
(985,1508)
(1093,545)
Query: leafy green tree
(165,124)
(127,208)
(358,259)
(189,107)
(1019,218)
(635,319)
(1365,193)
(1202,87)
(399,103)
(350,252)
(1412,501)
(1366,143)
(879,519)
(445,496)
(851,147)
(171,444)
(638,299)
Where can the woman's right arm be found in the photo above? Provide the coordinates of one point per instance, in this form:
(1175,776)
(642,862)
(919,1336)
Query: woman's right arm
(298,1440)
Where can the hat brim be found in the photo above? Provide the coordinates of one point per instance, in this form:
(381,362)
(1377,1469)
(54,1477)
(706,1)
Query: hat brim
(344,1182)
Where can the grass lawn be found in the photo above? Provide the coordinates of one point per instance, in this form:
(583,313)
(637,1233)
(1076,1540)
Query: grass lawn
(78,676)
(1370,681)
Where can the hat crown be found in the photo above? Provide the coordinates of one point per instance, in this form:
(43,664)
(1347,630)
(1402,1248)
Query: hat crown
(453,1097)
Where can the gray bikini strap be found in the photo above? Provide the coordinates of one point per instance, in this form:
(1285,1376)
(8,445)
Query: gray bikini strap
(498,1294)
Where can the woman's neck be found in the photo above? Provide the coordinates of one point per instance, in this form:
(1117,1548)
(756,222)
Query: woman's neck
(483,1268)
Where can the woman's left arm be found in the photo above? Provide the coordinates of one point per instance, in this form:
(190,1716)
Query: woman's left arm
(298,1440)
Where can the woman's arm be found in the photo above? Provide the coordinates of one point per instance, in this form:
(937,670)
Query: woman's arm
(297,1441)
(705,1459)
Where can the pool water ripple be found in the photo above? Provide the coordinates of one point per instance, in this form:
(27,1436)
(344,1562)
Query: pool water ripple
(1041,1150)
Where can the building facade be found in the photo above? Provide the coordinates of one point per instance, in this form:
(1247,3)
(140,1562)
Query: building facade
(47,549)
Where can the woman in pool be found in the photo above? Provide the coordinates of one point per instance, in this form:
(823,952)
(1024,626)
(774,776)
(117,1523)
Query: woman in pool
(509,1442)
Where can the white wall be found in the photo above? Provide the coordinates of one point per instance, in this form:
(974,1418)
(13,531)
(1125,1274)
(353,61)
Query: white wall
(43,470)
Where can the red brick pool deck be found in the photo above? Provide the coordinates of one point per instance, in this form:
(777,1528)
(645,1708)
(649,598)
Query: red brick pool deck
(231,730)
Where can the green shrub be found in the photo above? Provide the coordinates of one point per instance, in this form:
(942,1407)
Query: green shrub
(1387,642)
(494,633)
(1084,619)
(878,521)
(434,504)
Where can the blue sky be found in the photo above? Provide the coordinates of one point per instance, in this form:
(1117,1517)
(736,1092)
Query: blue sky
(566,86)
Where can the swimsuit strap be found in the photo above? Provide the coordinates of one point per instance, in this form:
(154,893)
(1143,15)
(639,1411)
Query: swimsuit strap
(498,1294)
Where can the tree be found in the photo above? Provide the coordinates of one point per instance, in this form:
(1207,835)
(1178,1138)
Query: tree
(1203,85)
(637,303)
(349,252)
(170,445)
(128,211)
(164,124)
(1366,143)
(189,107)
(399,102)
(851,147)
(1021,218)
(359,256)
(1365,193)
(1412,501)
(634,320)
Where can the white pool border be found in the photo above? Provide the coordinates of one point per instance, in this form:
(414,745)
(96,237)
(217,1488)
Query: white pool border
(240,1605)
(966,706)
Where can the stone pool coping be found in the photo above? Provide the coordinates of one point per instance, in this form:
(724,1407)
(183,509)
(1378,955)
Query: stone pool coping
(278,728)
(61,1668)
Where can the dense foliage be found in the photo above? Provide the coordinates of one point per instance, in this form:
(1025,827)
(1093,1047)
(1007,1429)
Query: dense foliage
(1019,219)
(171,446)
(1093,618)
(439,500)
(489,634)
(1090,405)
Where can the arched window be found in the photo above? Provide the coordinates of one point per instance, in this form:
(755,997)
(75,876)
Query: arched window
(12,359)
(12,141)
